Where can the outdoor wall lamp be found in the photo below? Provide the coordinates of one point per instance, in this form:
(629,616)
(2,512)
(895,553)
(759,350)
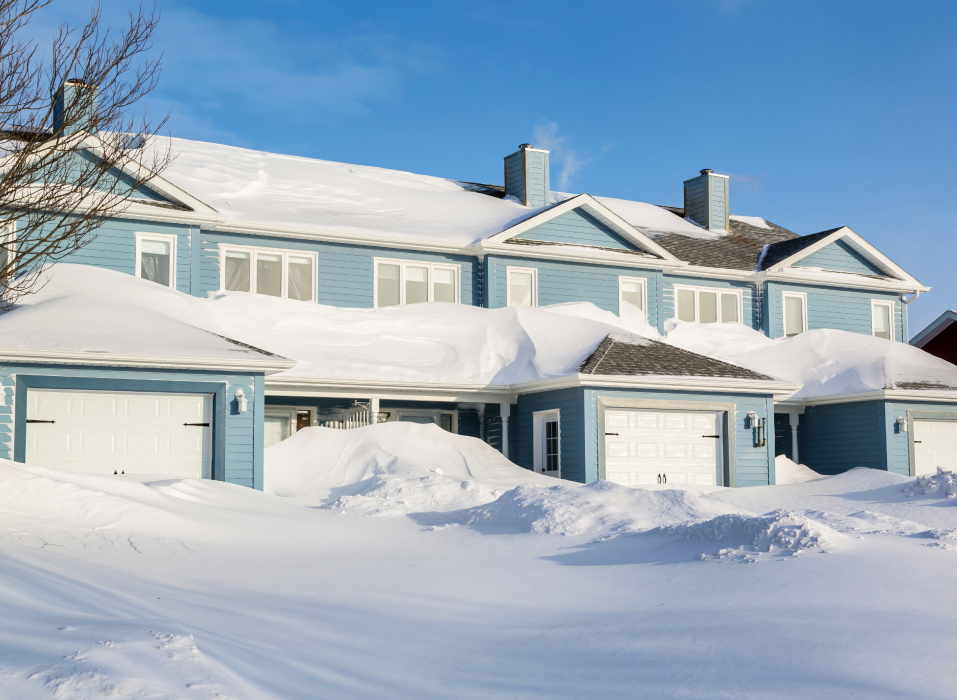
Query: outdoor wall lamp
(901,424)
(240,400)
(758,425)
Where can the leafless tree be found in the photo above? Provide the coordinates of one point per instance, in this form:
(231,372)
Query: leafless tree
(73,145)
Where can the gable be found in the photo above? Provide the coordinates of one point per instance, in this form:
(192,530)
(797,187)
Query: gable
(141,193)
(839,256)
(577,227)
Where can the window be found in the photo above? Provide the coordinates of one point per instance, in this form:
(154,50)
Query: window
(882,324)
(282,421)
(522,287)
(447,420)
(707,305)
(547,442)
(400,282)
(795,313)
(631,296)
(275,273)
(156,258)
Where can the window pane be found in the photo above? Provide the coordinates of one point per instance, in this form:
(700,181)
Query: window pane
(277,429)
(707,307)
(445,421)
(416,284)
(237,271)
(300,278)
(793,316)
(882,321)
(520,288)
(155,261)
(269,274)
(551,446)
(729,308)
(631,294)
(686,305)
(388,283)
(414,418)
(443,285)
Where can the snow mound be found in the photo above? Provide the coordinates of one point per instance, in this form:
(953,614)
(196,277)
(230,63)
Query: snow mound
(779,532)
(600,507)
(943,483)
(719,340)
(787,472)
(391,468)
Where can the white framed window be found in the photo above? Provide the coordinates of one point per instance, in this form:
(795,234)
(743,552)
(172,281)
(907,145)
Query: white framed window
(882,319)
(795,313)
(401,282)
(447,420)
(708,304)
(521,287)
(547,442)
(290,274)
(632,296)
(156,258)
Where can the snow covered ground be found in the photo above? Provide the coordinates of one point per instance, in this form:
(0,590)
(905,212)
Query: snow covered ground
(392,570)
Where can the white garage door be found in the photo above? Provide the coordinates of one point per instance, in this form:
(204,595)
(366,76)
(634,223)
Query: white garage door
(685,447)
(935,445)
(103,432)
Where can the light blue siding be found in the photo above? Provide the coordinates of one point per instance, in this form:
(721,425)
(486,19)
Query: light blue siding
(113,247)
(830,307)
(527,177)
(841,257)
(706,201)
(560,282)
(345,272)
(577,227)
(569,404)
(751,314)
(238,444)
(836,437)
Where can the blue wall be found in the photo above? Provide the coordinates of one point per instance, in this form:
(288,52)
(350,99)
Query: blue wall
(841,257)
(836,437)
(241,458)
(521,446)
(577,227)
(830,307)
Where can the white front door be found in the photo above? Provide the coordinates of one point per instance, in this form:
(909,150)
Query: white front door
(935,445)
(136,433)
(673,447)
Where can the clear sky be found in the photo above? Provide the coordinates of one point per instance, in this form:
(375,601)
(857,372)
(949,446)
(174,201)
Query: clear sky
(823,113)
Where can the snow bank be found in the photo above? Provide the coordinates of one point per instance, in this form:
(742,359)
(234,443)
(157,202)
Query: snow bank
(787,472)
(391,468)
(599,507)
(777,532)
(943,483)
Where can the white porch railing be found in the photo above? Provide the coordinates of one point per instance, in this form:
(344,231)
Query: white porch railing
(344,421)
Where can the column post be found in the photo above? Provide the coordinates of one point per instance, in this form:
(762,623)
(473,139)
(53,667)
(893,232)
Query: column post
(374,409)
(505,409)
(795,419)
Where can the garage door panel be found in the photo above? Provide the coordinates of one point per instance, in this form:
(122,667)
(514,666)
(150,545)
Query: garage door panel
(103,432)
(935,445)
(669,443)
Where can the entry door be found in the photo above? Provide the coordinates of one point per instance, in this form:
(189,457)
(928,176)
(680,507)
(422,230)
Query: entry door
(103,432)
(679,446)
(935,445)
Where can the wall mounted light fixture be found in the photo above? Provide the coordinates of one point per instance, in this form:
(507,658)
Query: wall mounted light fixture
(241,400)
(901,424)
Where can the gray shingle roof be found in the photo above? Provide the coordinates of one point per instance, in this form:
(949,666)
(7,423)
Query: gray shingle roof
(785,249)
(627,354)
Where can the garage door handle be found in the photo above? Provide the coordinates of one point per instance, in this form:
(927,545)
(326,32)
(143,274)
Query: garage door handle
(32,420)
(611,433)
(915,441)
(203,425)
(714,436)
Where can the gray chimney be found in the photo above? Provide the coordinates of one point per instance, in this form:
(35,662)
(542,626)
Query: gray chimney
(706,200)
(74,108)
(526,176)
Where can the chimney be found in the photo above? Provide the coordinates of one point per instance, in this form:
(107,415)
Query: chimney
(706,200)
(74,108)
(526,176)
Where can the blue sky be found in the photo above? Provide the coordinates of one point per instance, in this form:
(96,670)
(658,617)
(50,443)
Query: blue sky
(823,113)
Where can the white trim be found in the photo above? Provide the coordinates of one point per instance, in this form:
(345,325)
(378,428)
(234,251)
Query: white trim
(539,420)
(697,289)
(170,238)
(253,251)
(890,316)
(509,269)
(643,281)
(784,312)
(930,395)
(269,366)
(938,326)
(8,234)
(596,209)
(403,263)
(397,413)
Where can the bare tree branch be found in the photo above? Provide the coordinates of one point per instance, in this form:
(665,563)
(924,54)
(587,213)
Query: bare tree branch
(72,146)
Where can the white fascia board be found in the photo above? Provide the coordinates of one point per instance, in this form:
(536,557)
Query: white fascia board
(357,388)
(801,275)
(720,384)
(942,323)
(569,253)
(59,357)
(930,396)
(593,207)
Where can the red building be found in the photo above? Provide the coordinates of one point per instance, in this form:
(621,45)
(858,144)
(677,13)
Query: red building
(940,337)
